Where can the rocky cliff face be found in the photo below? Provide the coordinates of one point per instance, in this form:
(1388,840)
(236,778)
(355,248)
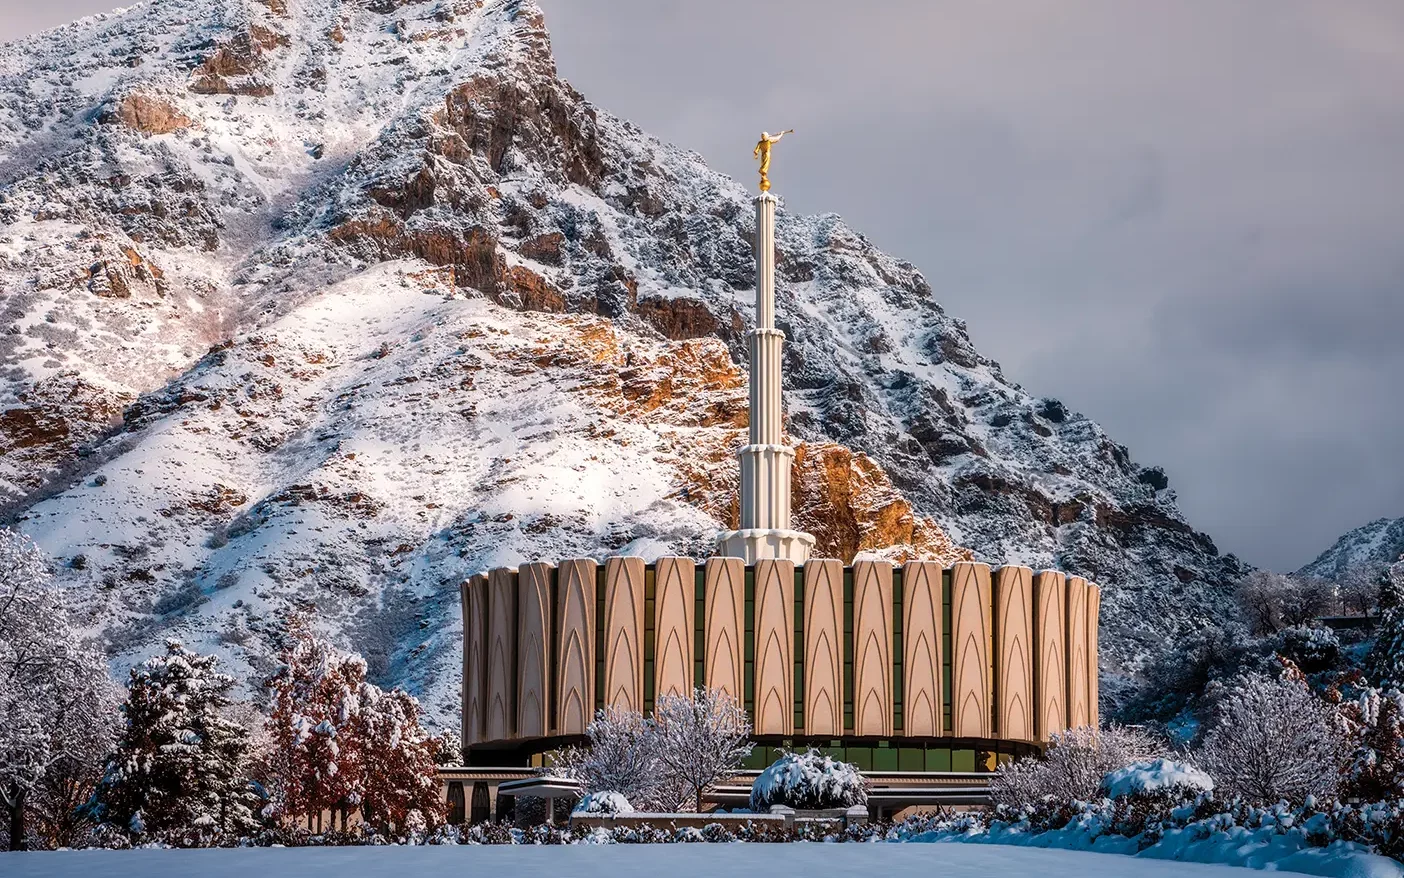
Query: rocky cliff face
(318,307)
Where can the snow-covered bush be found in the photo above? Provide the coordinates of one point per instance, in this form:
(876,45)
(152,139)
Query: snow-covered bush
(605,802)
(1273,601)
(1153,776)
(809,781)
(57,702)
(701,740)
(1273,739)
(1073,766)
(177,775)
(1312,648)
(1374,767)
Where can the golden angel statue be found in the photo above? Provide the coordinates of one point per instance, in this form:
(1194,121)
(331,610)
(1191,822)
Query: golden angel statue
(762,152)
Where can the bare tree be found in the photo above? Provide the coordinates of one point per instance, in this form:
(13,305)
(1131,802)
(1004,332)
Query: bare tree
(1273,601)
(701,740)
(56,698)
(1305,599)
(1272,740)
(1360,587)
(1260,596)
(622,757)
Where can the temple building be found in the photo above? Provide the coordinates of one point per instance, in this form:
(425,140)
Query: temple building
(926,677)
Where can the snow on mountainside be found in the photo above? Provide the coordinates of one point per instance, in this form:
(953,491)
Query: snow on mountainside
(319,307)
(1378,543)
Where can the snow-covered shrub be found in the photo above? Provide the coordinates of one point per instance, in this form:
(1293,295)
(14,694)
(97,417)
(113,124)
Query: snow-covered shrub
(1271,740)
(1386,660)
(177,775)
(1374,768)
(1312,648)
(605,802)
(701,740)
(1153,776)
(1273,601)
(1073,766)
(809,781)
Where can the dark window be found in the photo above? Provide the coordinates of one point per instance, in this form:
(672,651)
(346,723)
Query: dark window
(600,637)
(699,628)
(481,812)
(650,599)
(848,649)
(455,804)
(799,650)
(897,583)
(946,651)
(749,658)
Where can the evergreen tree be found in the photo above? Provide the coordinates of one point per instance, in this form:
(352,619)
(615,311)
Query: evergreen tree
(1387,656)
(177,774)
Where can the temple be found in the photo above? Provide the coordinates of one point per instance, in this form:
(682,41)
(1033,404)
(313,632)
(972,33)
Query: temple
(926,677)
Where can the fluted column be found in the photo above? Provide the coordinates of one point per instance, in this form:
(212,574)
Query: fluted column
(765,462)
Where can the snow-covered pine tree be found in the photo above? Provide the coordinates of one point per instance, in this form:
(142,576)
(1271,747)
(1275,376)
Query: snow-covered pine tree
(177,773)
(55,696)
(701,739)
(1387,656)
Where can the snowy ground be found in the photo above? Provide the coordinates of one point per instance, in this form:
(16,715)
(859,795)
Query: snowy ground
(622,861)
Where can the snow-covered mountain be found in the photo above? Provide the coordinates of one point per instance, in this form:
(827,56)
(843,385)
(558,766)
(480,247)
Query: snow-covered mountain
(1379,543)
(320,306)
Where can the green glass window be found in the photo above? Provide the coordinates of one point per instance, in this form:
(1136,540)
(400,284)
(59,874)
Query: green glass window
(599,637)
(799,650)
(897,583)
(749,658)
(650,596)
(699,629)
(962,760)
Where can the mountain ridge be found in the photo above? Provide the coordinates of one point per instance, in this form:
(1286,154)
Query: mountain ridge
(372,271)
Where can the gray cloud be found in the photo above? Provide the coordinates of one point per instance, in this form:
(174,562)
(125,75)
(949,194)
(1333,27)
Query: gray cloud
(1183,218)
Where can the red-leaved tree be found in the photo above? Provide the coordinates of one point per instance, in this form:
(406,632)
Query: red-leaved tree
(338,742)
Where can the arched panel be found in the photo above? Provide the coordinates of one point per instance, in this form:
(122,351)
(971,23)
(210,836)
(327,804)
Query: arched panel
(475,646)
(533,648)
(970,650)
(502,654)
(1014,651)
(823,647)
(1078,695)
(673,605)
(872,648)
(774,655)
(921,649)
(725,600)
(575,592)
(624,632)
(457,804)
(1050,642)
(1094,608)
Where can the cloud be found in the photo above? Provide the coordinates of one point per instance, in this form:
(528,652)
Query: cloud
(1181,218)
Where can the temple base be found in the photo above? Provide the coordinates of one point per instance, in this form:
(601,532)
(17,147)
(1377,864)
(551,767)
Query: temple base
(766,545)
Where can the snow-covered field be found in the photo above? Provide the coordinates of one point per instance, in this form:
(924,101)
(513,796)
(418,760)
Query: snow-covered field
(619,861)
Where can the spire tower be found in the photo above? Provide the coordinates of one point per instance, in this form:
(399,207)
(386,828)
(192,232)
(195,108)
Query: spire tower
(766,461)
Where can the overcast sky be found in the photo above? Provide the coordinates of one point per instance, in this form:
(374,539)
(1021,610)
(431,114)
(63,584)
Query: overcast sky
(1182,217)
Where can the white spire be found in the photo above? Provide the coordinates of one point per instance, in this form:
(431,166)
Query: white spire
(766,462)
